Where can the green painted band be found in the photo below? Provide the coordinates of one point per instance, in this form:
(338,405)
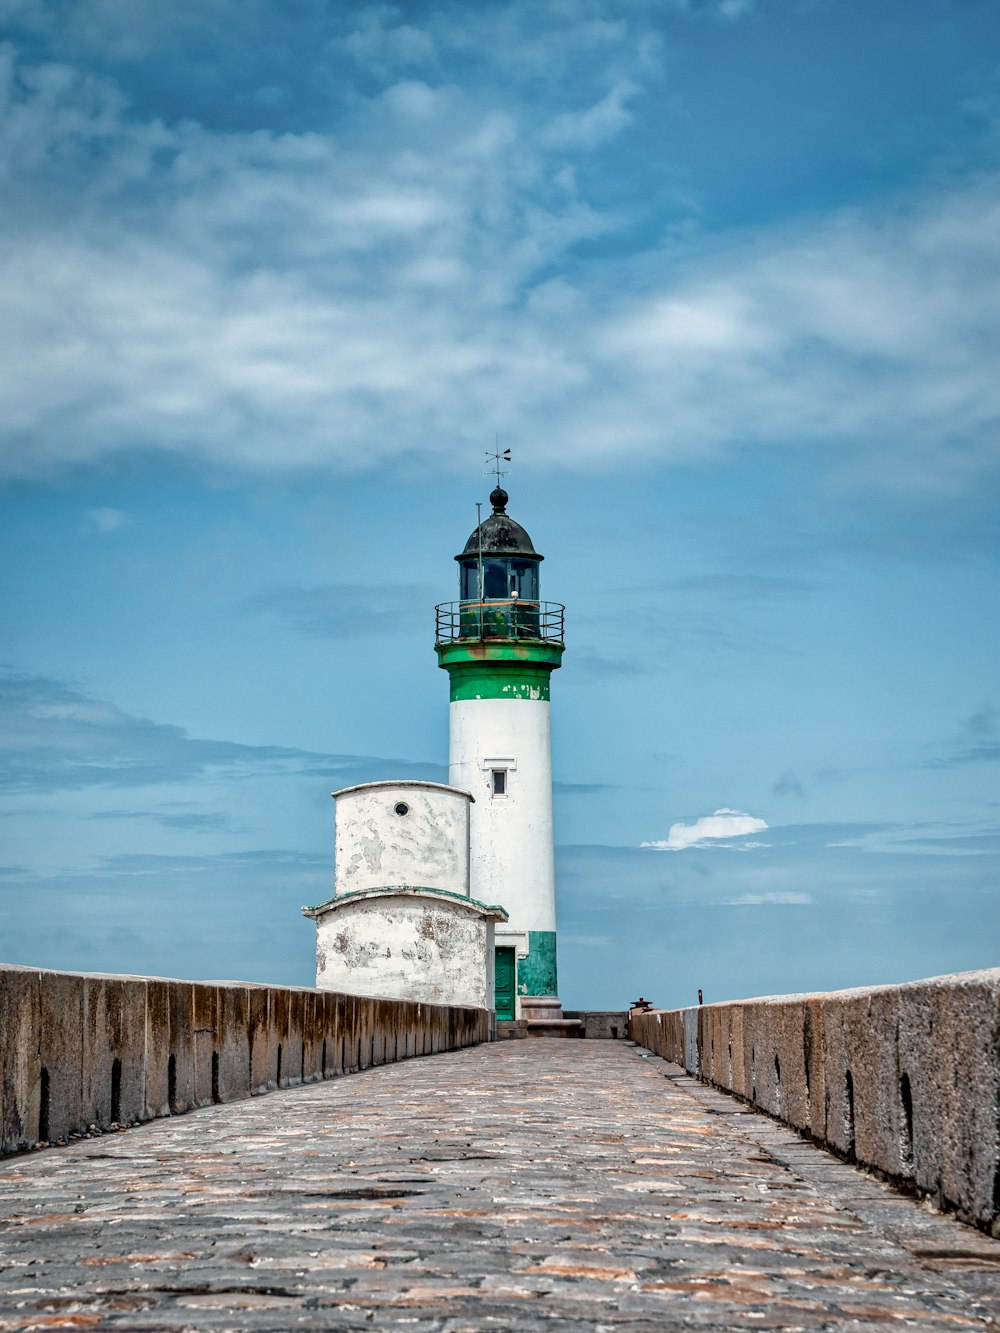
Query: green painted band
(536,974)
(499,670)
(485,652)
(512,681)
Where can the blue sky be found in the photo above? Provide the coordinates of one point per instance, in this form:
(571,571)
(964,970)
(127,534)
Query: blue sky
(724,277)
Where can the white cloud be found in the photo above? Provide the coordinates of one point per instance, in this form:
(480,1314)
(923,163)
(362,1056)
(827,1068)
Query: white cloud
(108,519)
(735,9)
(599,123)
(279,301)
(711,830)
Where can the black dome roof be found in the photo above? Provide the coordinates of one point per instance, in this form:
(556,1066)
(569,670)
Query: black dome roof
(500,534)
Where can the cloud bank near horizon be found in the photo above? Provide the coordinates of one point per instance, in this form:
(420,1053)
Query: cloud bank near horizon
(56,738)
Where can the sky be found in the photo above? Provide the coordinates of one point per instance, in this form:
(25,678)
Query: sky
(724,275)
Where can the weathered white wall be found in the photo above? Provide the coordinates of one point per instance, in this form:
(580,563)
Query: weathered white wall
(511,836)
(408,946)
(428,847)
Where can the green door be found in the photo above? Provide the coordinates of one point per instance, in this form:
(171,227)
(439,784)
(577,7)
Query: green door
(505,971)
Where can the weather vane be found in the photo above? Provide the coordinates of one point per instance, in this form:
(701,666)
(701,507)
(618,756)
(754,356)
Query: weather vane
(495,459)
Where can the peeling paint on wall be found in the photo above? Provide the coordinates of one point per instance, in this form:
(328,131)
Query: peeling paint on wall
(402,833)
(407,944)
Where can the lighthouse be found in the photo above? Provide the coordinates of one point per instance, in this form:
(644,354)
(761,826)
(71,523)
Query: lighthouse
(500,644)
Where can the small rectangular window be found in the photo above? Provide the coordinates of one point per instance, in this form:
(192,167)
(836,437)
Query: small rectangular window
(499,781)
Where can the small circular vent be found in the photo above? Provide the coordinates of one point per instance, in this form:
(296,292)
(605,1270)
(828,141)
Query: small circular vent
(401,808)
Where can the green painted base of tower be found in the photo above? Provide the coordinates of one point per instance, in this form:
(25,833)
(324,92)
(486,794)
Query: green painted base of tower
(536,974)
(537,987)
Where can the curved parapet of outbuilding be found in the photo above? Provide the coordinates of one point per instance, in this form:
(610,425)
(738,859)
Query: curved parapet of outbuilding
(402,832)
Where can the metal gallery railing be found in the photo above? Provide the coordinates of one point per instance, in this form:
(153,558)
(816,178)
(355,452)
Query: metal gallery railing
(500,619)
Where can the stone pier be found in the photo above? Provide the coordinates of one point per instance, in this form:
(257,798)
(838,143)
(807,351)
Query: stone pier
(543,1184)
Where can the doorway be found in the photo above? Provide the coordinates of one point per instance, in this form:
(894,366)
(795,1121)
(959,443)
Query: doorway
(505,973)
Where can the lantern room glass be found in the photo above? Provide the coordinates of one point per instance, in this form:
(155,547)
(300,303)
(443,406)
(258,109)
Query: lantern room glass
(504,578)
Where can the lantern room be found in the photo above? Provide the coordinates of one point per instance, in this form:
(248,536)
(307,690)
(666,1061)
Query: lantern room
(499,562)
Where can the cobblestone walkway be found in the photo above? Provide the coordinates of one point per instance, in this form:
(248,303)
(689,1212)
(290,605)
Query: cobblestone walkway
(528,1185)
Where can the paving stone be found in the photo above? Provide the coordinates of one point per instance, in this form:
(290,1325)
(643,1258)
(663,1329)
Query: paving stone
(525,1185)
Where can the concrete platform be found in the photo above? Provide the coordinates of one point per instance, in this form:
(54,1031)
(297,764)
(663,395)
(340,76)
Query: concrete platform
(553,1185)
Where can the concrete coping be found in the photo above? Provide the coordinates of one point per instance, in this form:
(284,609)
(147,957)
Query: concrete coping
(404,782)
(144,977)
(951,980)
(491,911)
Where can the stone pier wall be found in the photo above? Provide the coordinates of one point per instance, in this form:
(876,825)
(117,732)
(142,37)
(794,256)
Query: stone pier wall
(902,1079)
(80,1050)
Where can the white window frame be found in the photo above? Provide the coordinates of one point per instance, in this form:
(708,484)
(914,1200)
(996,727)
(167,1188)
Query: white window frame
(491,766)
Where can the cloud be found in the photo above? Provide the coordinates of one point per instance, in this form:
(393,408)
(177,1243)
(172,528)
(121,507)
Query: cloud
(377,285)
(743,587)
(594,126)
(985,722)
(343,610)
(788,785)
(778,899)
(56,738)
(927,839)
(591,665)
(107,520)
(978,742)
(191,821)
(735,9)
(716,830)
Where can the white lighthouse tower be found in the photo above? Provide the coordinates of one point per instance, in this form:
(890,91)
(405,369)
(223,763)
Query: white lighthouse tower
(500,644)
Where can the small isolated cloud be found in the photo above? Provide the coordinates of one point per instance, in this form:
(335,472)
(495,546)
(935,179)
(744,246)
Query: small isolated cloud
(978,741)
(985,722)
(591,665)
(713,830)
(107,519)
(735,9)
(781,899)
(788,785)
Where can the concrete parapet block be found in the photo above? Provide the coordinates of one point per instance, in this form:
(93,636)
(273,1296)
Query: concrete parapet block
(114,1050)
(327,1033)
(738,1051)
(349,1037)
(156,1070)
(387,1026)
(258,1038)
(296,1039)
(314,1034)
(181,1056)
(204,1032)
(905,1080)
(20,1089)
(364,1031)
(232,1044)
(814,1063)
(956,1119)
(60,1054)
